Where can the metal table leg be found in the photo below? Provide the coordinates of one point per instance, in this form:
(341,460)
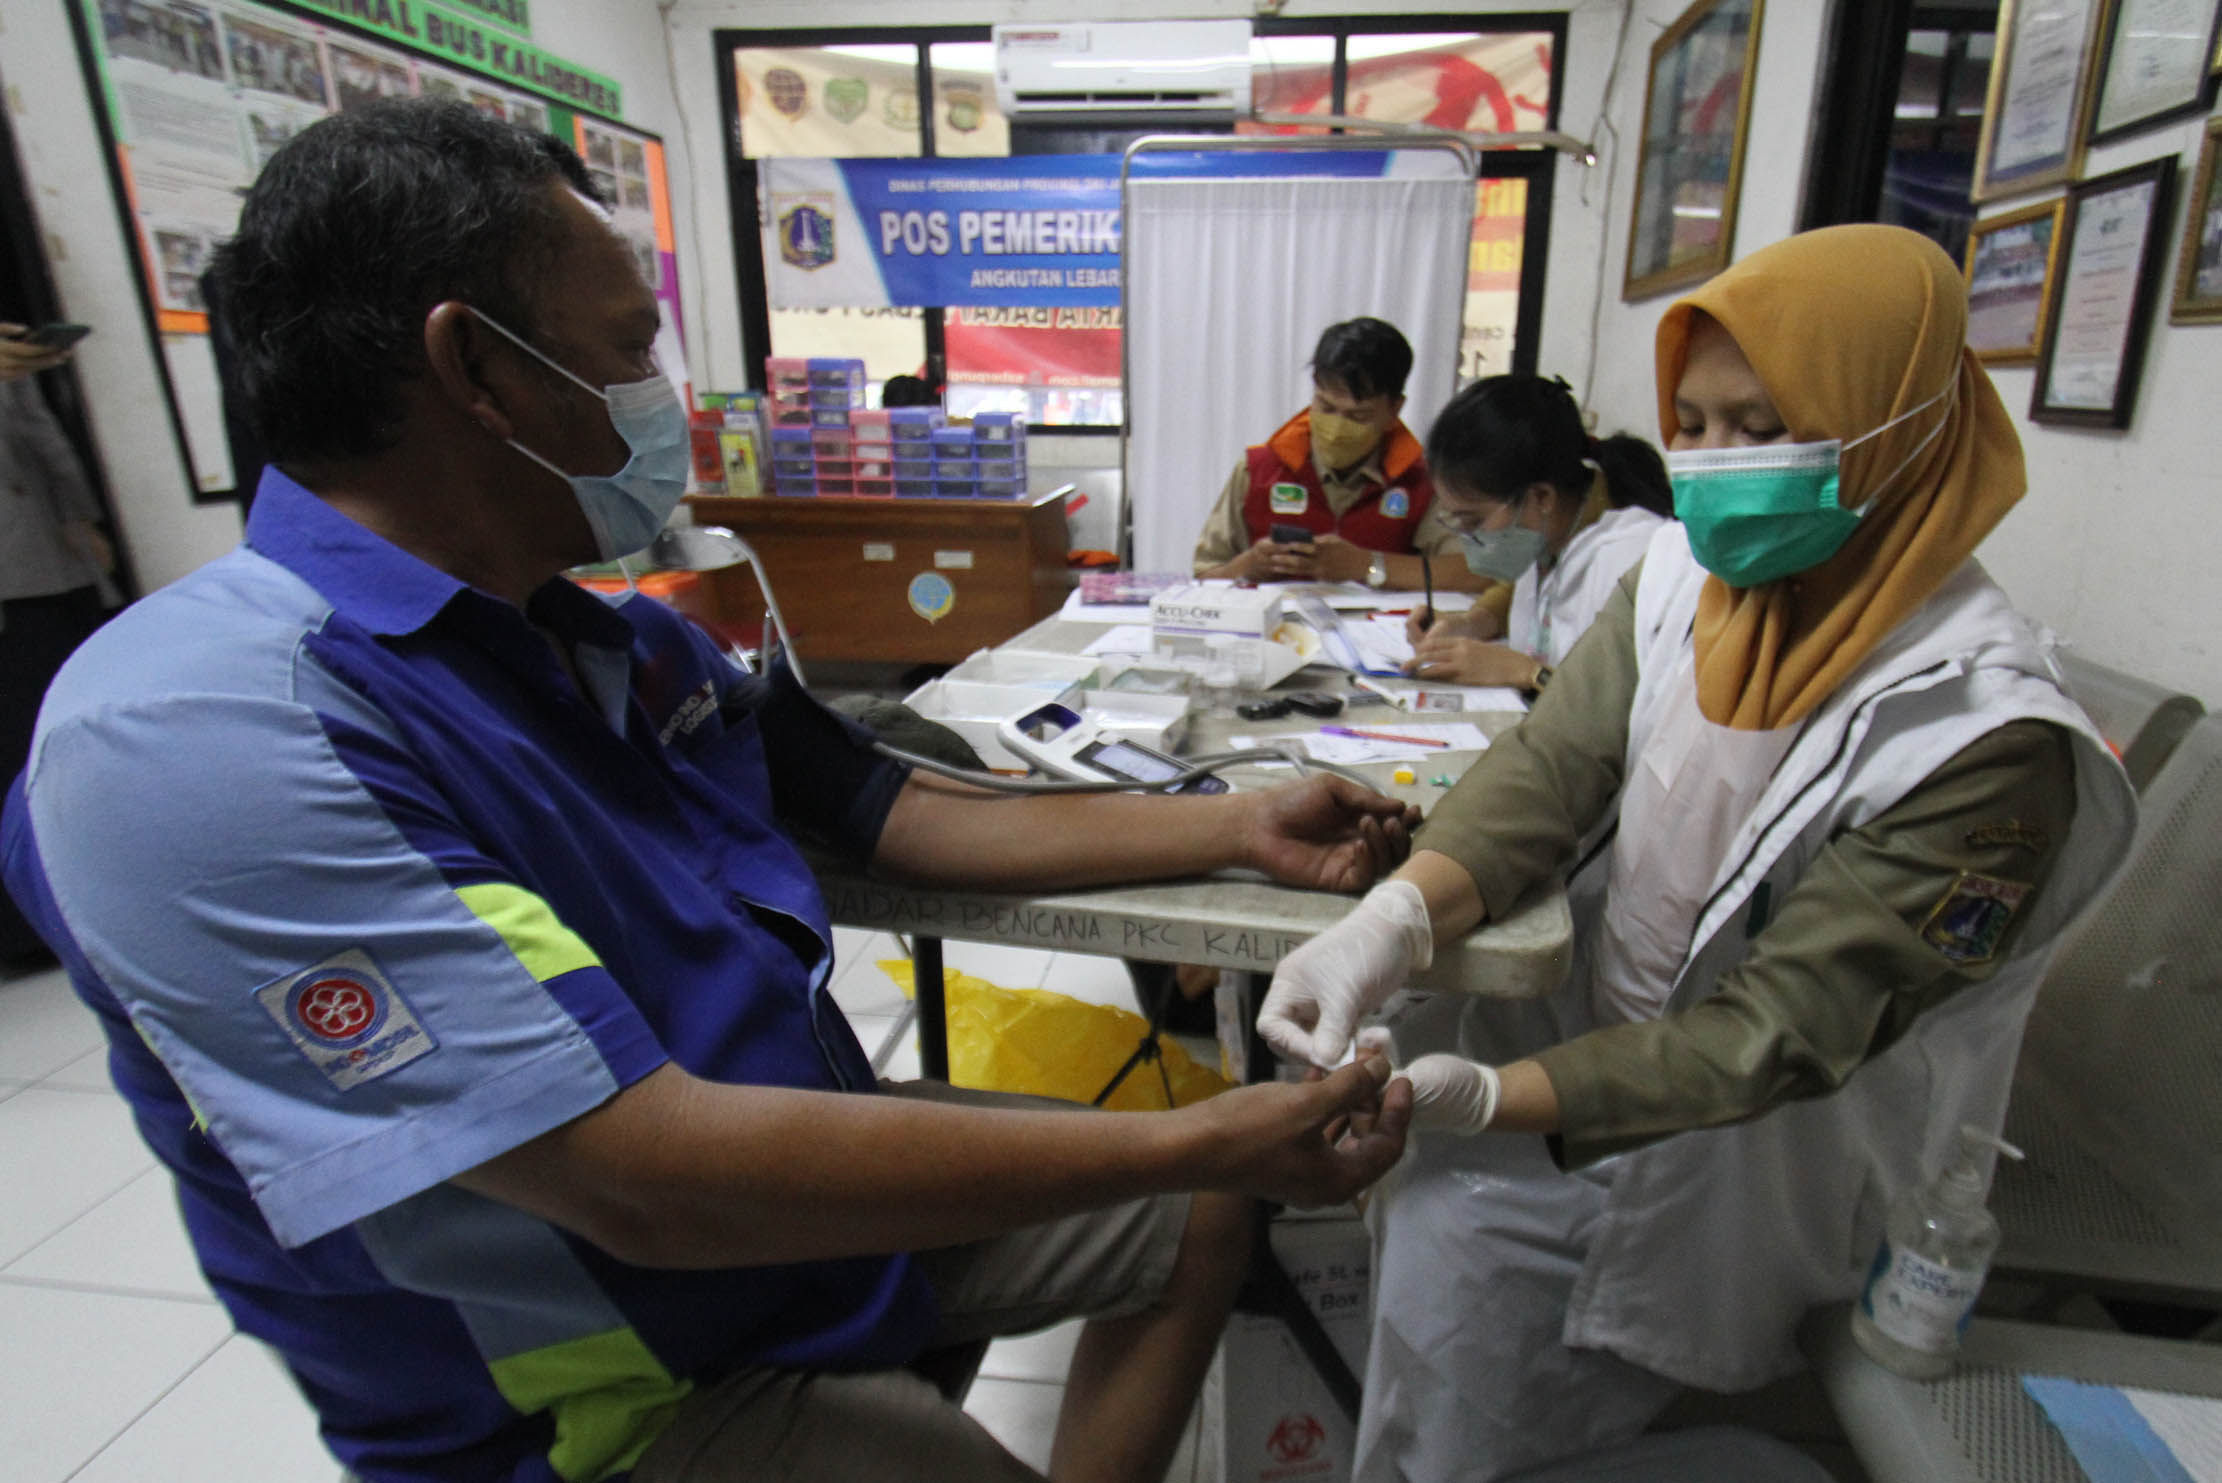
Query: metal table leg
(933,1008)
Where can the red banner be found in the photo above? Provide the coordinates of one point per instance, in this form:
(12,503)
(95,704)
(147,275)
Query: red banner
(1034,347)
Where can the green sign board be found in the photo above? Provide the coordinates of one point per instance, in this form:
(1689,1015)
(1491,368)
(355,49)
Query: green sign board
(511,15)
(443,31)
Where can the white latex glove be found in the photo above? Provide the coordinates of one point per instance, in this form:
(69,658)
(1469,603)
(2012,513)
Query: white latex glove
(1325,987)
(1451,1094)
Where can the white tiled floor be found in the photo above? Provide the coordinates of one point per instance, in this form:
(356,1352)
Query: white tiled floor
(117,1364)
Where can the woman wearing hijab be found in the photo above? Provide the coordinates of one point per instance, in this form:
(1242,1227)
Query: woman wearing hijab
(1541,506)
(1826,810)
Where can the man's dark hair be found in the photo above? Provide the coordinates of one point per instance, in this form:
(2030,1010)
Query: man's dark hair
(356,228)
(1367,357)
(907,391)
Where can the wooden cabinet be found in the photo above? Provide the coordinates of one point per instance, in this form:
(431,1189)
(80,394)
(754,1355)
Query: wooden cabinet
(912,581)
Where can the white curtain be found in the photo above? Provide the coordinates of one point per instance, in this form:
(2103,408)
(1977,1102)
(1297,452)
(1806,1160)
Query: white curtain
(1228,283)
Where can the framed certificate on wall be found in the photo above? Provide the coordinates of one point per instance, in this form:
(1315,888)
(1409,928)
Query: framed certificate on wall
(2115,238)
(2033,115)
(2153,66)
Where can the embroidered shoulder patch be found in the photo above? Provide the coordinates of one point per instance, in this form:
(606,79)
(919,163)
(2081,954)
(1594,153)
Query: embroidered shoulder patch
(2013,833)
(1288,499)
(1396,504)
(347,1019)
(1972,916)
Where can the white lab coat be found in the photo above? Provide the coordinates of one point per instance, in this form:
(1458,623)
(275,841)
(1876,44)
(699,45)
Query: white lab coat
(1550,610)
(1523,1313)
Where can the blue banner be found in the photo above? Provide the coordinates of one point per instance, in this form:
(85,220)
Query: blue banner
(1016,232)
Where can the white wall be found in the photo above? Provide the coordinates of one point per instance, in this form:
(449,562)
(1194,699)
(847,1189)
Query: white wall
(164,532)
(2113,545)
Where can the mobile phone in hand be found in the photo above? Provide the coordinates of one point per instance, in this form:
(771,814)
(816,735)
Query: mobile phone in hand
(55,336)
(1290,534)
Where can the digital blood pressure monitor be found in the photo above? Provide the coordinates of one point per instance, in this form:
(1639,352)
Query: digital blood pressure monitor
(1064,743)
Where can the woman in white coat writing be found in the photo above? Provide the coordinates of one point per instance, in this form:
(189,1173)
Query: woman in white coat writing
(1825,809)
(1542,506)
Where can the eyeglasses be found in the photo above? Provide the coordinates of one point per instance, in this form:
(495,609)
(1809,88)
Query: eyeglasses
(1465,520)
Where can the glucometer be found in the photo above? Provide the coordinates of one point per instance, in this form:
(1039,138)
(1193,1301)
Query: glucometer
(1064,743)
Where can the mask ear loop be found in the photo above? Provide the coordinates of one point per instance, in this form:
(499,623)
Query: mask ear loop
(1927,438)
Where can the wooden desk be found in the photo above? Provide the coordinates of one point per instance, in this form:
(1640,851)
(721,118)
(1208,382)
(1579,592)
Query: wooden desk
(844,570)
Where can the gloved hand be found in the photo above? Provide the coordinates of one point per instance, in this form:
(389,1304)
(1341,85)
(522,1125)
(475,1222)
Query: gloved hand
(1325,987)
(1451,1094)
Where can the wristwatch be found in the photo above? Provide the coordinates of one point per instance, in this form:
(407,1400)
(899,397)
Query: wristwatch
(1377,572)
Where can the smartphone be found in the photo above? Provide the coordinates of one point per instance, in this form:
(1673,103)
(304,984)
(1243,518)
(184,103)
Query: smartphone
(1262,710)
(55,336)
(1289,534)
(1315,703)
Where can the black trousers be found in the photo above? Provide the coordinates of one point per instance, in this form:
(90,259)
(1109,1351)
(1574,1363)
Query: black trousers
(40,633)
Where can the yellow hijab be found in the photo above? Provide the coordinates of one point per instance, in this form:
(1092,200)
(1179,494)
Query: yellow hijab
(1848,327)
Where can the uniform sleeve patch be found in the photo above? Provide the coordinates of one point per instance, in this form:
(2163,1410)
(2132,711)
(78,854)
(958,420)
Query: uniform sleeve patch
(1972,916)
(347,1019)
(1288,499)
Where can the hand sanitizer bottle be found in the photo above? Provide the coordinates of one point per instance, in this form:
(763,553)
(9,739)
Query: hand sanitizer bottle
(1930,1266)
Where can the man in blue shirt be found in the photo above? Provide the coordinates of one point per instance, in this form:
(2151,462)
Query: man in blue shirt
(457,955)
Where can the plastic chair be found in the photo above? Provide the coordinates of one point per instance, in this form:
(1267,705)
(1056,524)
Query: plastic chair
(2115,1097)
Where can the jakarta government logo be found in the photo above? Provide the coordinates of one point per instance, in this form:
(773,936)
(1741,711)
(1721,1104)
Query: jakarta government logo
(335,1008)
(805,237)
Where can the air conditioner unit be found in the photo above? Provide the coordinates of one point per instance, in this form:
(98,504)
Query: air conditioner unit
(1196,70)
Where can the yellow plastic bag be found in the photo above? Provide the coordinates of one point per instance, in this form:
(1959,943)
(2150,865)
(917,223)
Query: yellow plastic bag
(1052,1045)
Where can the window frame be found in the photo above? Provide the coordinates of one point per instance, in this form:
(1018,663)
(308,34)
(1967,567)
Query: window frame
(1535,166)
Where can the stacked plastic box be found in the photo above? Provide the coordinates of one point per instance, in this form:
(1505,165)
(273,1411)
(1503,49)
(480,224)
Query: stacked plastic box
(873,450)
(836,390)
(787,380)
(999,453)
(911,431)
(956,471)
(794,461)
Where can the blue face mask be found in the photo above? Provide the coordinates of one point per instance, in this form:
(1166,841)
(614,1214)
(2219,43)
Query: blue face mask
(627,508)
(1757,515)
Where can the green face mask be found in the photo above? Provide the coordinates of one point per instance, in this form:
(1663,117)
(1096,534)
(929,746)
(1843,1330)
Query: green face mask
(1757,515)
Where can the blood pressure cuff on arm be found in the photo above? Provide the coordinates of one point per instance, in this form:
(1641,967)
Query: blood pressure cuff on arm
(826,780)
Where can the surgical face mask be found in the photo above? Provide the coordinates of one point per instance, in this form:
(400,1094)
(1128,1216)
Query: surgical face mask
(1756,515)
(1502,555)
(627,508)
(1339,442)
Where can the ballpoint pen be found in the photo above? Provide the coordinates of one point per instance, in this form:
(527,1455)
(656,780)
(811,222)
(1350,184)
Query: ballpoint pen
(1385,736)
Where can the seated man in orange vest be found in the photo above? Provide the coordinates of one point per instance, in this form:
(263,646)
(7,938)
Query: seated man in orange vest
(1348,473)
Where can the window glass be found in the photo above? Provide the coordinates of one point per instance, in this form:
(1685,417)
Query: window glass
(966,120)
(1497,84)
(828,102)
(1056,366)
(1972,79)
(891,342)
(1290,74)
(1930,165)
(1921,78)
(1493,277)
